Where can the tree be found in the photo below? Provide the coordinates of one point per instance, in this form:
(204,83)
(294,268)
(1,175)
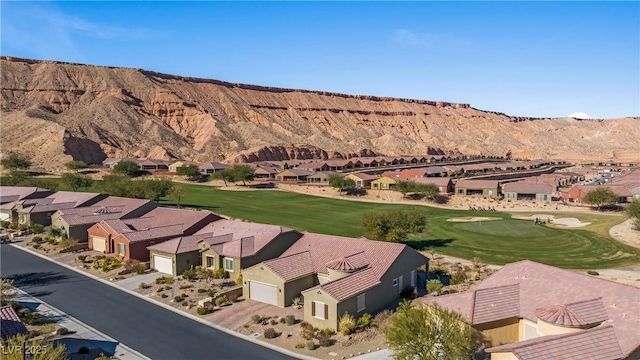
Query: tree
(177,193)
(600,196)
(40,348)
(430,191)
(225,175)
(405,187)
(434,286)
(76,165)
(76,181)
(341,183)
(242,173)
(430,333)
(633,212)
(116,185)
(16,162)
(392,225)
(126,167)
(155,189)
(191,172)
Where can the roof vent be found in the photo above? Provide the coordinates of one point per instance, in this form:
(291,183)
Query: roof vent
(102,210)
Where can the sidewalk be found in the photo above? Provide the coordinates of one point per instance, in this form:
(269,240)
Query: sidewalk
(81,333)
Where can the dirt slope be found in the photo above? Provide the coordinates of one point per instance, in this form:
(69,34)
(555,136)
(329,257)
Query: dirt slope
(58,111)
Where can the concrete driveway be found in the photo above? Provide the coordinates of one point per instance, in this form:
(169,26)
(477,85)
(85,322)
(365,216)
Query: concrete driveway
(133,282)
(234,316)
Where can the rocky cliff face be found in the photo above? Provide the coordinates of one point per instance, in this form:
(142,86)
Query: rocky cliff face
(57,111)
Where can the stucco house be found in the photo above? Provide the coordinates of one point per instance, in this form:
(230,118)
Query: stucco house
(264,172)
(129,238)
(335,275)
(444,184)
(296,175)
(362,180)
(383,183)
(531,311)
(211,167)
(523,190)
(75,222)
(315,166)
(9,195)
(481,188)
(235,245)
(39,211)
(320,177)
(173,167)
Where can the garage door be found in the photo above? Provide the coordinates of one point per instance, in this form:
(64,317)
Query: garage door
(263,293)
(99,243)
(163,264)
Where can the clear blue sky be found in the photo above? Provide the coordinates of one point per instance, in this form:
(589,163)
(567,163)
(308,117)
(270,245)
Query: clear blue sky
(521,58)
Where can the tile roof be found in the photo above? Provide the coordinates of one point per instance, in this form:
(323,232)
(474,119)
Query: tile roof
(477,184)
(246,238)
(395,174)
(352,262)
(524,187)
(364,176)
(213,166)
(184,244)
(501,302)
(348,286)
(10,323)
(438,181)
(297,172)
(543,286)
(594,344)
(578,314)
(113,207)
(292,266)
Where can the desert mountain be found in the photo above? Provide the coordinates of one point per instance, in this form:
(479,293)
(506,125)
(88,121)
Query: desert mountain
(56,111)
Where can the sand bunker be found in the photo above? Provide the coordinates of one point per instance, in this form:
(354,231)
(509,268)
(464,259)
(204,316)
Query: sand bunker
(472,219)
(567,222)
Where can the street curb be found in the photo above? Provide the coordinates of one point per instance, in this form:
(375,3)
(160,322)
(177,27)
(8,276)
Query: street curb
(170,308)
(81,324)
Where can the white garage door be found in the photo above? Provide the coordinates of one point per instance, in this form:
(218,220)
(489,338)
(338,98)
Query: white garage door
(263,293)
(163,264)
(99,243)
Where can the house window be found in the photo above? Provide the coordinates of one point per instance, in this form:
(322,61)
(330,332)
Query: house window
(121,249)
(490,192)
(361,305)
(395,282)
(211,261)
(400,283)
(413,278)
(228,264)
(319,310)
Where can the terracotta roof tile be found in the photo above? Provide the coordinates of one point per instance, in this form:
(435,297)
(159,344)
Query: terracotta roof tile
(112,207)
(496,303)
(292,266)
(477,184)
(524,187)
(349,285)
(10,323)
(599,343)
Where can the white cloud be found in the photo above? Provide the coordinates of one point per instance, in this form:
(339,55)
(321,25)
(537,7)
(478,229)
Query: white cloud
(579,115)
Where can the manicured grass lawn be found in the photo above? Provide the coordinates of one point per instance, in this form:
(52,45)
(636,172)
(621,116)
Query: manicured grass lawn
(497,242)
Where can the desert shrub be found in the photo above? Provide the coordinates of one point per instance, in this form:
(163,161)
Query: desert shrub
(365,320)
(326,332)
(37,228)
(37,240)
(178,299)
(203,310)
(309,332)
(140,269)
(382,319)
(161,280)
(593,272)
(256,318)
(273,322)
(29,317)
(326,341)
(408,293)
(144,286)
(311,345)
(221,273)
(270,333)
(37,246)
(184,303)
(47,328)
(299,346)
(51,241)
(190,274)
(304,324)
(67,243)
(347,324)
(5,224)
(459,277)
(82,258)
(160,289)
(164,296)
(107,264)
(62,331)
(290,319)
(239,280)
(201,291)
(184,287)
(221,300)
(184,295)
(211,293)
(282,320)
(23,227)
(169,280)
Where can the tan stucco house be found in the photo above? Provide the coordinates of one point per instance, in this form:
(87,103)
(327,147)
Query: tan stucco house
(479,188)
(523,190)
(39,211)
(383,183)
(335,275)
(362,180)
(531,311)
(9,195)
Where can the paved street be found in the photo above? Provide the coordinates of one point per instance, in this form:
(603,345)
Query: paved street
(150,329)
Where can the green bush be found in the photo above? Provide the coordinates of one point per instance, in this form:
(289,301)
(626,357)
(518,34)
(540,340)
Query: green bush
(82,258)
(50,241)
(67,243)
(365,320)
(593,272)
(184,287)
(23,227)
(143,286)
(290,319)
(221,274)
(347,324)
(221,300)
(185,303)
(37,246)
(178,299)
(256,318)
(164,296)
(299,346)
(202,291)
(327,332)
(311,345)
(37,228)
(37,240)
(282,320)
(211,293)
(201,310)
(309,332)
(5,224)
(190,274)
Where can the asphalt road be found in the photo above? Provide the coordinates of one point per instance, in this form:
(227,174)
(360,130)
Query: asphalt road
(150,329)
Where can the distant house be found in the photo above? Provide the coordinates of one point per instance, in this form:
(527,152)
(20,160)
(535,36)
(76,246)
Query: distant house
(336,275)
(315,166)
(129,238)
(481,188)
(173,167)
(236,245)
(263,172)
(362,180)
(10,325)
(39,211)
(523,190)
(75,222)
(149,164)
(211,167)
(320,177)
(339,165)
(9,195)
(383,183)
(413,173)
(577,192)
(527,317)
(436,171)
(296,175)
(444,184)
